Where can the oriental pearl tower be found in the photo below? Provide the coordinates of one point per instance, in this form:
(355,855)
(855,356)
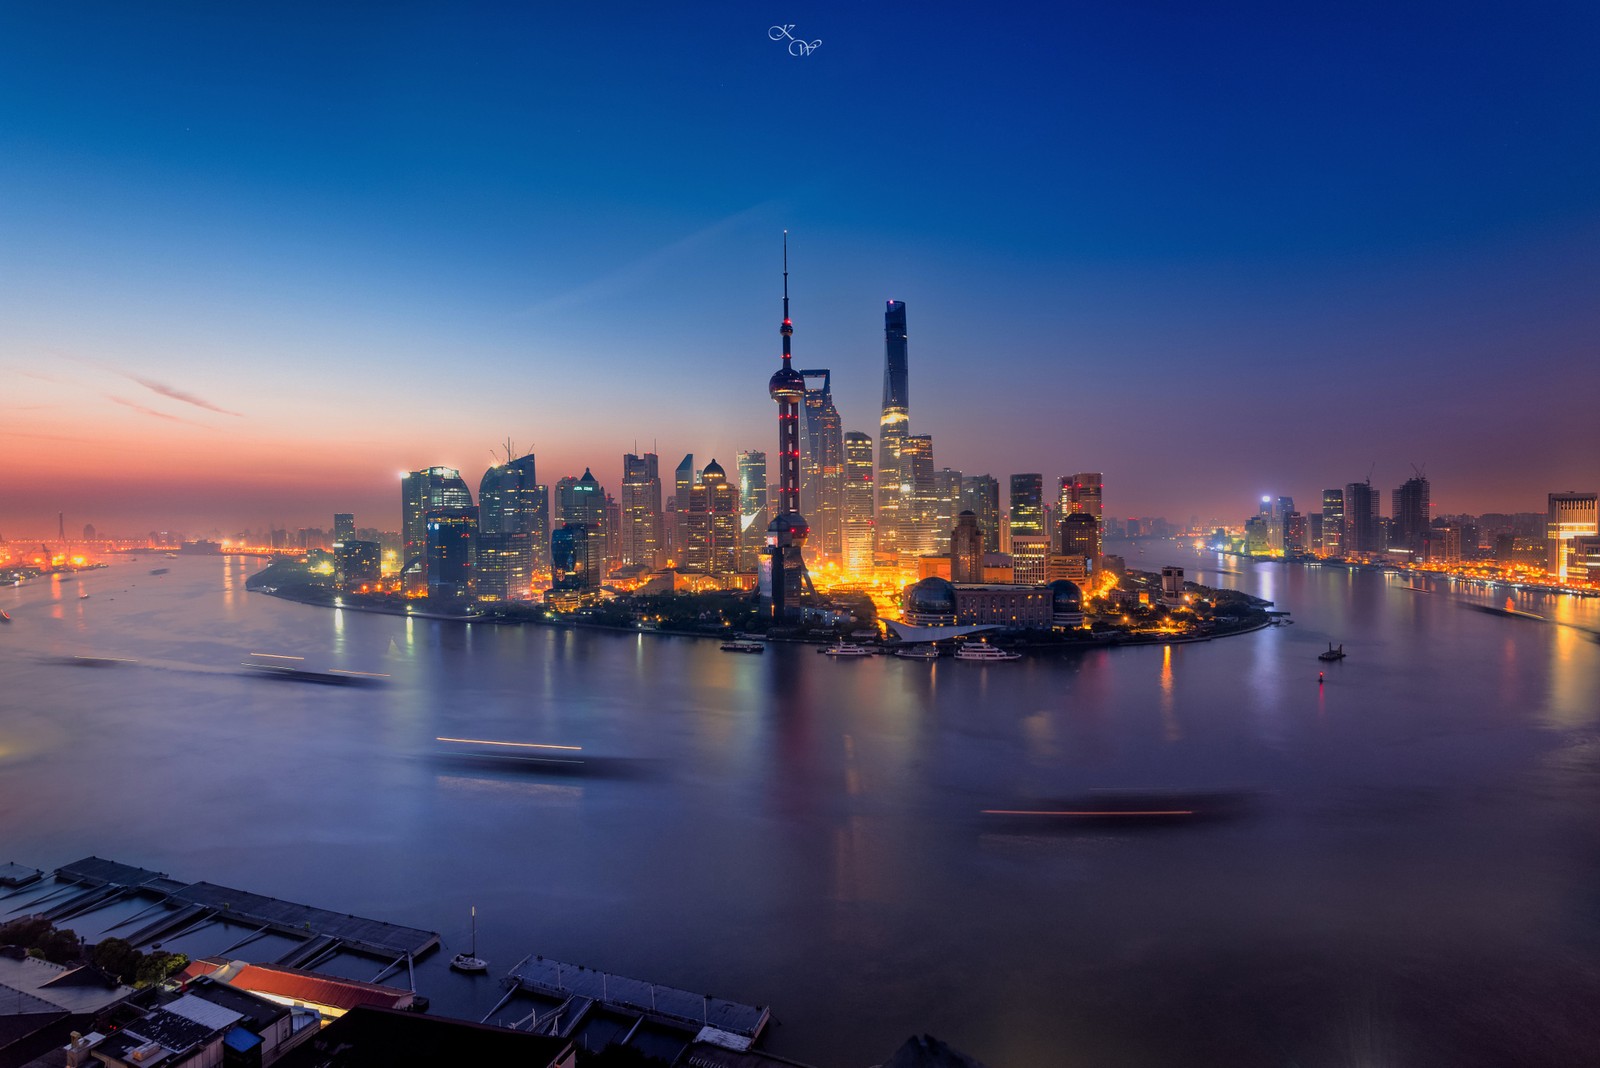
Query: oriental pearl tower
(783,568)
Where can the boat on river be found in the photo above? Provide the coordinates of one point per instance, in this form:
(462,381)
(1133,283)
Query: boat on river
(919,652)
(983,652)
(742,645)
(470,961)
(845,649)
(1331,653)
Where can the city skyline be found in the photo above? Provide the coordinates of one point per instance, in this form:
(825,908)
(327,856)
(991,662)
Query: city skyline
(252,274)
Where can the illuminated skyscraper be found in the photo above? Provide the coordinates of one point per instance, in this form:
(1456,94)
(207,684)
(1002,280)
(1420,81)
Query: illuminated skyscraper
(421,492)
(582,502)
(1569,517)
(893,425)
(1027,506)
(641,510)
(1079,535)
(1084,493)
(711,525)
(980,494)
(858,521)
(1030,559)
(508,529)
(1333,522)
(753,514)
(919,505)
(822,467)
(682,483)
(947,500)
(576,558)
(344,526)
(451,551)
(783,572)
(752,481)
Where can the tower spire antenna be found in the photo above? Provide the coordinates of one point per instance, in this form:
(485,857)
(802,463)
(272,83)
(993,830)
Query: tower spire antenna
(788,327)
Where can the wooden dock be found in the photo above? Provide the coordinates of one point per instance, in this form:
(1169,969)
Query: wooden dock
(187,906)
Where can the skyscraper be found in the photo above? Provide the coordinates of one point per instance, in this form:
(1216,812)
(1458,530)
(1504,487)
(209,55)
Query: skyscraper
(1027,505)
(682,482)
(753,514)
(966,549)
(783,573)
(582,502)
(752,481)
(1361,519)
(344,526)
(858,520)
(641,510)
(980,494)
(509,529)
(420,493)
(451,551)
(1333,522)
(822,470)
(918,500)
(946,499)
(1413,511)
(711,525)
(1079,535)
(1569,516)
(893,425)
(1084,494)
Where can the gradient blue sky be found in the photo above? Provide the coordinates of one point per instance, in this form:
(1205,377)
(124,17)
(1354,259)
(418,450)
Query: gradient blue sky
(256,259)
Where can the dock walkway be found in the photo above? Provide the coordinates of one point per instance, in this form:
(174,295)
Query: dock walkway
(105,880)
(679,1008)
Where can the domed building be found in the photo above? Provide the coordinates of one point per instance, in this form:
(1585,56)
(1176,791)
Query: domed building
(1066,607)
(930,603)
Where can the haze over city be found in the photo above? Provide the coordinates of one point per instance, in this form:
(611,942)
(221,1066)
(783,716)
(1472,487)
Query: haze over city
(253,264)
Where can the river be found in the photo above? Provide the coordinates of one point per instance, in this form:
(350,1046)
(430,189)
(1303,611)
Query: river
(1413,880)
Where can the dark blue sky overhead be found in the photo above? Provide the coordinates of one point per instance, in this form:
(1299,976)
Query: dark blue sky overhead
(1213,252)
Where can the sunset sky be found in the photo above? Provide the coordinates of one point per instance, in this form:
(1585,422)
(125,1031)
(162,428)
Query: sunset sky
(257,259)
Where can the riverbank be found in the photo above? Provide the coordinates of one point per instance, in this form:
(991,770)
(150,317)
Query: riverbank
(321,597)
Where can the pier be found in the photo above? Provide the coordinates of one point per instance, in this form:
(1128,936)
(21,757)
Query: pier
(581,994)
(14,875)
(180,907)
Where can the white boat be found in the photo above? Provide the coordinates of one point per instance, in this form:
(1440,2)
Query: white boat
(742,645)
(470,961)
(845,649)
(918,652)
(983,651)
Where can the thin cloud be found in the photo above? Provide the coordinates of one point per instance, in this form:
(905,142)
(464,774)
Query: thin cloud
(159,415)
(636,275)
(179,395)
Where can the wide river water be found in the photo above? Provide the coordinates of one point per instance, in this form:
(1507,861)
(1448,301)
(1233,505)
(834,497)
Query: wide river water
(1416,880)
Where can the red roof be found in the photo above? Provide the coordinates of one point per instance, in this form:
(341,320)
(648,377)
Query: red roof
(296,985)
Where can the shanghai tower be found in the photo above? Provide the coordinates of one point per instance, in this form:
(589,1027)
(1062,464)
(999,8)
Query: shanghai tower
(892,426)
(783,567)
